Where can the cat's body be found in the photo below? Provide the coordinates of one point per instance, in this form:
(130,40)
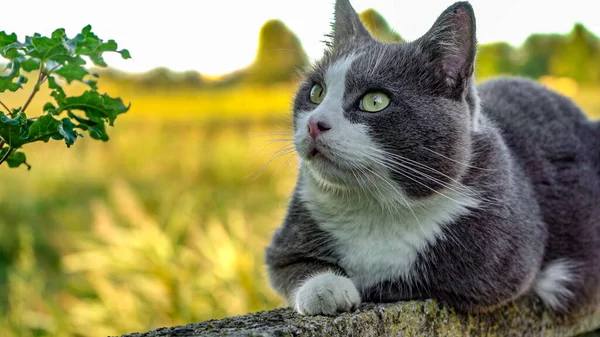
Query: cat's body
(470,196)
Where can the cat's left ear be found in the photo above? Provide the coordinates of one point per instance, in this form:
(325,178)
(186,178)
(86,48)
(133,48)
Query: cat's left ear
(451,45)
(347,25)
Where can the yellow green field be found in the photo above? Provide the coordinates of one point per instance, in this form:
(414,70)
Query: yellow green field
(164,224)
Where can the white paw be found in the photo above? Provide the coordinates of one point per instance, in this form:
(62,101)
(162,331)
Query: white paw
(326,294)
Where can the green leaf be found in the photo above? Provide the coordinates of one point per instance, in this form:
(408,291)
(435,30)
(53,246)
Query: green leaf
(91,45)
(6,39)
(30,64)
(14,131)
(92,84)
(97,130)
(124,54)
(43,128)
(11,51)
(72,72)
(21,79)
(15,159)
(9,46)
(57,91)
(96,107)
(7,81)
(49,48)
(50,108)
(67,131)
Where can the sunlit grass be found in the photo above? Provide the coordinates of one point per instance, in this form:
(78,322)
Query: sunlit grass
(164,224)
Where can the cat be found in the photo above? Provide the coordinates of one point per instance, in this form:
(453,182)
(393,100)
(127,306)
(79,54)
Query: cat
(416,183)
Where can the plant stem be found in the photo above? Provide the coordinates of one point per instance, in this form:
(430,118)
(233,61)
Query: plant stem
(5,107)
(10,150)
(36,87)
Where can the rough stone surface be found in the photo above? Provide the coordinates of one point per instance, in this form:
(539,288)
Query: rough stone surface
(526,317)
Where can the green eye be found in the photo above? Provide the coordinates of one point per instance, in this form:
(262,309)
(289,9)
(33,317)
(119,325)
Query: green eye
(374,101)
(317,94)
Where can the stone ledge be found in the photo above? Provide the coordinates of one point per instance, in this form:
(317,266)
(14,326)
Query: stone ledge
(525,317)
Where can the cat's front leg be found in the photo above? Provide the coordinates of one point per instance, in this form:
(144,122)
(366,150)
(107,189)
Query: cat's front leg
(326,293)
(314,288)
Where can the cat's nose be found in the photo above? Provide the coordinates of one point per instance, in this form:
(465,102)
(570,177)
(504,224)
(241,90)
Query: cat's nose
(316,127)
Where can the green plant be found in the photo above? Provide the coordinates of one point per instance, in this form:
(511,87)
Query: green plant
(56,59)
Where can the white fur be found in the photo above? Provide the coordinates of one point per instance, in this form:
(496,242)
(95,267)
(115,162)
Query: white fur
(376,244)
(551,284)
(326,294)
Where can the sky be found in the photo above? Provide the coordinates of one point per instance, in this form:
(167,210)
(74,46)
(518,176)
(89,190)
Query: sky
(219,36)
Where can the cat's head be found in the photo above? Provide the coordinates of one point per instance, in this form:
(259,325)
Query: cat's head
(370,111)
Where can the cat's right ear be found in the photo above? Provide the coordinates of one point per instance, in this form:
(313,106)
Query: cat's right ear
(451,46)
(347,26)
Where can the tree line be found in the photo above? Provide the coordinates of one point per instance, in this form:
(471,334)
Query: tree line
(280,55)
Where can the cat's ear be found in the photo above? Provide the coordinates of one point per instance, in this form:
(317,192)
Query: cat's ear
(347,25)
(451,45)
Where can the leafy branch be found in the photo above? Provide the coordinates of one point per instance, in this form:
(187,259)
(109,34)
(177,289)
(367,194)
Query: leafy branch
(57,59)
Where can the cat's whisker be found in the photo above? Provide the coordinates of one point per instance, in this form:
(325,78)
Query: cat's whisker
(383,205)
(399,194)
(456,161)
(457,187)
(412,177)
(280,151)
(381,156)
(427,176)
(271,142)
(265,135)
(284,166)
(408,161)
(462,191)
(276,155)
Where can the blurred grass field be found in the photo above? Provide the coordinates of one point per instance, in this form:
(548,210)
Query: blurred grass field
(165,224)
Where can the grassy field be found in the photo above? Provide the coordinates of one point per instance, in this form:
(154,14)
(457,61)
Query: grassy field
(165,224)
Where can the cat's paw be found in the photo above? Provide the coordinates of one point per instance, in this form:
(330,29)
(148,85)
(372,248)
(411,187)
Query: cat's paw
(326,294)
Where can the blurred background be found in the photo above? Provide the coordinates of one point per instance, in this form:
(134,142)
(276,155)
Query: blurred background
(166,223)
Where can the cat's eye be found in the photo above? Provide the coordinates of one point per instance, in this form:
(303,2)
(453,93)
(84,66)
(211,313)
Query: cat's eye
(374,101)
(317,94)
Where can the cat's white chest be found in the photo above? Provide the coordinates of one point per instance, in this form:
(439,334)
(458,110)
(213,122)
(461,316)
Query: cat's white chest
(376,245)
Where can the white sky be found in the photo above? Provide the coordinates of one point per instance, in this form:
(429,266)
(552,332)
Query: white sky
(218,36)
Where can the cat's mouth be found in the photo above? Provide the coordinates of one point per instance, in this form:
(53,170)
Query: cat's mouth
(323,159)
(315,154)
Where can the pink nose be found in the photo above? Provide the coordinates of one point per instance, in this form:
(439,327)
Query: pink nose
(315,128)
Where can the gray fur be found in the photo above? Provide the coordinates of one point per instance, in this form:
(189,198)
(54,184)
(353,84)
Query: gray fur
(514,166)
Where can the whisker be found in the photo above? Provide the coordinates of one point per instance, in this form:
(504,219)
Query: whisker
(413,178)
(277,154)
(399,194)
(414,162)
(458,186)
(458,162)
(274,141)
(427,176)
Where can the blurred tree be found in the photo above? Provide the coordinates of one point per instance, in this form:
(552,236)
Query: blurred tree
(578,57)
(496,59)
(537,52)
(156,78)
(378,26)
(279,56)
(164,79)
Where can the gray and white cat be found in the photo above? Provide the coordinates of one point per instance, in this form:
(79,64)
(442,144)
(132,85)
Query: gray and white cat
(414,183)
